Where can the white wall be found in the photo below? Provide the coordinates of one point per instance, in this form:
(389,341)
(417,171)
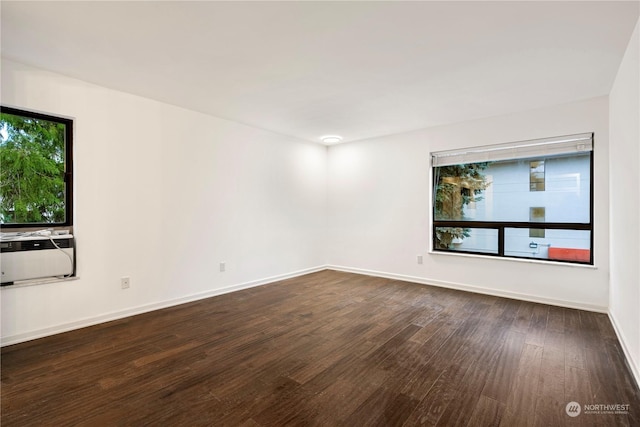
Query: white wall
(163,194)
(625,202)
(379,208)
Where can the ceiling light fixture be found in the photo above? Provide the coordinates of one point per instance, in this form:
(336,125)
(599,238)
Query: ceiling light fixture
(331,139)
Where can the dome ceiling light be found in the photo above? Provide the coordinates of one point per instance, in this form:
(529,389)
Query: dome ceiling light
(331,139)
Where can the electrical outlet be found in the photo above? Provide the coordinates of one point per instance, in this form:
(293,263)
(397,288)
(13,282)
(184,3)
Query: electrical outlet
(223,266)
(125,282)
(419,257)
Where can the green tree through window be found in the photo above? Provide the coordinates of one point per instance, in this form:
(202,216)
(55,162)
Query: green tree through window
(455,187)
(34,175)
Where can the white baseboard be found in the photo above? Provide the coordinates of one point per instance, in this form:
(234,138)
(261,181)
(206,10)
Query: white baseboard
(474,289)
(633,364)
(94,320)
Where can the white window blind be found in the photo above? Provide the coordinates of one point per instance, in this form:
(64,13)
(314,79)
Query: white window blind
(515,150)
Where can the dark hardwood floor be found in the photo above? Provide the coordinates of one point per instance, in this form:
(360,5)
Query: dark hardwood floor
(326,349)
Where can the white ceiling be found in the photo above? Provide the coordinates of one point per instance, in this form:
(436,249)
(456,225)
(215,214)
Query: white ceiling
(306,69)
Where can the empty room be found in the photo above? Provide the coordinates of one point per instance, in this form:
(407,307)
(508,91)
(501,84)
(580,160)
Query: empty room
(320,213)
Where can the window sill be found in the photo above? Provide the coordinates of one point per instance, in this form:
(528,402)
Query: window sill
(530,261)
(43,281)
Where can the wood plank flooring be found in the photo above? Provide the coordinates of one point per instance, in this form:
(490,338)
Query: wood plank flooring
(326,349)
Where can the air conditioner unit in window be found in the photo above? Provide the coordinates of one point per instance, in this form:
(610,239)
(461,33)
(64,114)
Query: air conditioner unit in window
(27,258)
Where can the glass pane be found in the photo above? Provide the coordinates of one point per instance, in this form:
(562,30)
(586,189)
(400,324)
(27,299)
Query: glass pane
(536,215)
(536,177)
(504,190)
(558,245)
(483,240)
(457,190)
(32,154)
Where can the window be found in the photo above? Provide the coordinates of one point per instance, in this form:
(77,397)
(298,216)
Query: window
(536,215)
(37,173)
(536,175)
(530,199)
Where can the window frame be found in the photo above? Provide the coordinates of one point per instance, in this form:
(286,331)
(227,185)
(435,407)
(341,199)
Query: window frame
(500,226)
(68,167)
